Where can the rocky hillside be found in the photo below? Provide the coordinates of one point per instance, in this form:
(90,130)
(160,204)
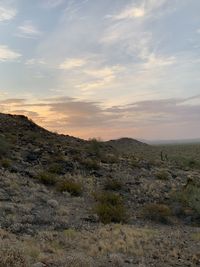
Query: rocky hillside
(70,202)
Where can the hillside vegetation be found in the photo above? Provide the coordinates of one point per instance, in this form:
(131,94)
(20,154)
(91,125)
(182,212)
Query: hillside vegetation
(65,201)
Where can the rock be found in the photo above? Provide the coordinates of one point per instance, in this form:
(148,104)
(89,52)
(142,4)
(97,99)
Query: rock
(31,157)
(16,228)
(93,218)
(4,196)
(53,203)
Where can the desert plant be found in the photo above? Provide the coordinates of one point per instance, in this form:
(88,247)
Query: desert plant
(91,164)
(189,196)
(5,163)
(113,184)
(74,188)
(55,168)
(135,163)
(95,146)
(157,212)
(110,208)
(109,158)
(162,174)
(47,178)
(4,146)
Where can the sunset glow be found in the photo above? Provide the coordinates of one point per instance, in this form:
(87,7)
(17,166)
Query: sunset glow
(105,69)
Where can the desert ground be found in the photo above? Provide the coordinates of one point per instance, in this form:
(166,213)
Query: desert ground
(67,202)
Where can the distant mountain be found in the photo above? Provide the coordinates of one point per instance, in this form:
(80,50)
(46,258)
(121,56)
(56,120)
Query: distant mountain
(126,144)
(177,141)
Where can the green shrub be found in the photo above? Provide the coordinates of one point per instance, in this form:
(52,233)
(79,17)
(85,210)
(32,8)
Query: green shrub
(91,164)
(162,175)
(47,178)
(157,212)
(94,147)
(135,163)
(110,213)
(56,168)
(5,163)
(190,197)
(74,188)
(193,164)
(113,184)
(110,208)
(4,146)
(109,158)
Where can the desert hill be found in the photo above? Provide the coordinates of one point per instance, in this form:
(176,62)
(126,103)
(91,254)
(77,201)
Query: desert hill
(66,202)
(126,145)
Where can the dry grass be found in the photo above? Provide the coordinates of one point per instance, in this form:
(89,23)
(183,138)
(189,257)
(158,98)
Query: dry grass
(109,239)
(11,255)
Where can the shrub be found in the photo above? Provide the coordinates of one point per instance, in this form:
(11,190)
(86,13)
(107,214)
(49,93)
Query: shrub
(110,208)
(47,178)
(157,212)
(95,147)
(5,163)
(91,164)
(74,188)
(113,184)
(190,197)
(4,146)
(162,175)
(135,163)
(110,213)
(192,163)
(56,168)
(109,158)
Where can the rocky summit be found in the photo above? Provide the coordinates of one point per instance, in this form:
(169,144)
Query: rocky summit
(68,202)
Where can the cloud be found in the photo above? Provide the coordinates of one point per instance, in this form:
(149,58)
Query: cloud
(7,13)
(144,9)
(28,30)
(72,63)
(154,61)
(6,54)
(100,78)
(52,3)
(130,12)
(89,118)
(35,61)
(13,101)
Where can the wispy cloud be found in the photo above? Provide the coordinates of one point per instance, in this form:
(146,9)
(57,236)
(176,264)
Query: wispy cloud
(35,61)
(99,78)
(51,3)
(7,13)
(87,118)
(144,9)
(72,63)
(7,54)
(28,30)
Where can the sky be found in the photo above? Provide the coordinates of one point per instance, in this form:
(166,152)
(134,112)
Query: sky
(103,68)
